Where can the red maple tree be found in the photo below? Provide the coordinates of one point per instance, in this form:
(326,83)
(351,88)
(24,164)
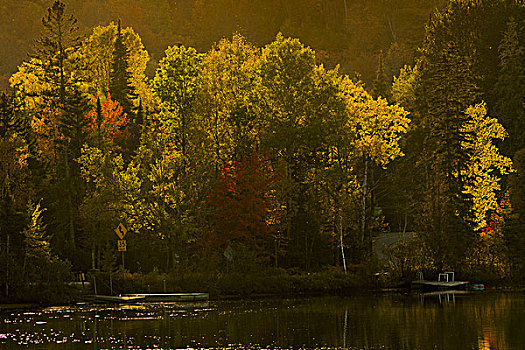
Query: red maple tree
(107,123)
(241,201)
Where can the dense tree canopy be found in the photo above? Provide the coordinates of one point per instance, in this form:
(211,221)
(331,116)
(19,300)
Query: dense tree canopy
(396,27)
(258,150)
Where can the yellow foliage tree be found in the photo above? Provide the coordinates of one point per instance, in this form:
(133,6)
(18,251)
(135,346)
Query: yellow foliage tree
(485,165)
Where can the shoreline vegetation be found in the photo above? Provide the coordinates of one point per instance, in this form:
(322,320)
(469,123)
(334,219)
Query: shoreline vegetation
(232,285)
(255,168)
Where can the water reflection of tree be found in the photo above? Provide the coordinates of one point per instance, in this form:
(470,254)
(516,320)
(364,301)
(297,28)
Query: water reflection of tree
(401,322)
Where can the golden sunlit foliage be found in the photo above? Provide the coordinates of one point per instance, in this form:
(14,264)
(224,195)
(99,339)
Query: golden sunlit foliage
(486,165)
(257,150)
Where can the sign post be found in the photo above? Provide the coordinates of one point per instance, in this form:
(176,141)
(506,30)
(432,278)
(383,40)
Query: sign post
(121,243)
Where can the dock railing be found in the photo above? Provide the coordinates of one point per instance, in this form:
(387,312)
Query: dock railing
(447,276)
(450,275)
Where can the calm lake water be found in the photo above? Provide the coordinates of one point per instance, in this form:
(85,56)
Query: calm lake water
(383,321)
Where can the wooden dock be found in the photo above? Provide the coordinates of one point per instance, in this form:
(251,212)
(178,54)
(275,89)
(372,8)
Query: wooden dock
(172,297)
(118,299)
(152,298)
(445,293)
(439,285)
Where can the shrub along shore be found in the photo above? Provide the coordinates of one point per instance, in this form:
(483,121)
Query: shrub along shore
(229,285)
(224,285)
(235,284)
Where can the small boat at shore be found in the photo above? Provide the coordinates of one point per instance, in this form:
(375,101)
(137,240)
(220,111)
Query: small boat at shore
(476,287)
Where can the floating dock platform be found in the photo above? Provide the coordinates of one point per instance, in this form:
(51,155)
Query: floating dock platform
(118,299)
(444,293)
(153,298)
(171,297)
(439,285)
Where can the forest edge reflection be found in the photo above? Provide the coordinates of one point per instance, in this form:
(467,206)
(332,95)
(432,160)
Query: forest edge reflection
(388,321)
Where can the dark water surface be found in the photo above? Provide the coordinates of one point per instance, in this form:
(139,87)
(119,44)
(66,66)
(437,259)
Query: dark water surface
(383,321)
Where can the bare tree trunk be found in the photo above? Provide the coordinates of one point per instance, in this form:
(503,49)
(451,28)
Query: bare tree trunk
(393,31)
(345,19)
(341,237)
(61,53)
(306,250)
(69,199)
(183,124)
(100,264)
(7,268)
(363,203)
(168,254)
(93,265)
(276,252)
(217,142)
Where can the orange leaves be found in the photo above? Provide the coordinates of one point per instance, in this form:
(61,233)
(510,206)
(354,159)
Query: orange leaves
(241,203)
(107,123)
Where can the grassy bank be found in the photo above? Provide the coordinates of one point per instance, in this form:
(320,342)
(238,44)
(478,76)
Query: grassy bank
(42,294)
(270,282)
(234,284)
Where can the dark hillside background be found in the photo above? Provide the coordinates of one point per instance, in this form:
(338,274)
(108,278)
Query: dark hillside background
(351,37)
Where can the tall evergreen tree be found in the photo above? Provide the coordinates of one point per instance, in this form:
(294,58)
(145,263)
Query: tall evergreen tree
(72,121)
(63,106)
(40,265)
(6,114)
(35,238)
(514,229)
(381,85)
(71,126)
(15,189)
(53,50)
(447,88)
(54,56)
(99,119)
(510,88)
(120,86)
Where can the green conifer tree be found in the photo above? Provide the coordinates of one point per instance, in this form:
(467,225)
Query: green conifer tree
(514,228)
(381,85)
(510,88)
(450,89)
(53,50)
(14,190)
(40,265)
(136,127)
(100,119)
(6,114)
(73,121)
(447,88)
(38,249)
(120,86)
(64,104)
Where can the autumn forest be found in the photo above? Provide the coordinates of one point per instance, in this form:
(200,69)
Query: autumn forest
(261,138)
